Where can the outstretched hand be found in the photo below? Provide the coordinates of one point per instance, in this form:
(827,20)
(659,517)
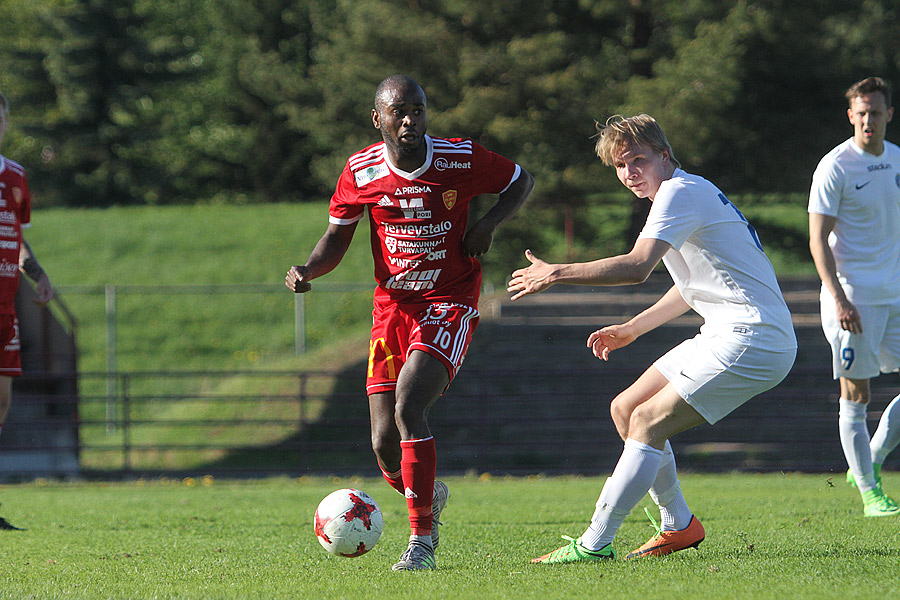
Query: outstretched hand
(532,279)
(603,341)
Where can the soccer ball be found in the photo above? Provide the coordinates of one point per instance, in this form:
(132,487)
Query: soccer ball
(348,523)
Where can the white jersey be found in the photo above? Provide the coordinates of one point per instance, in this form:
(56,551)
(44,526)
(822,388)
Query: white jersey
(862,192)
(716,260)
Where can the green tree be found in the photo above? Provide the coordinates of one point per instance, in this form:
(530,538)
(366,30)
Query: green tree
(240,130)
(752,100)
(259,100)
(26,84)
(107,67)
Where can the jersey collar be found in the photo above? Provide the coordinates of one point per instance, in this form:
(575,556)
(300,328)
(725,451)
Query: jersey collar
(865,153)
(429,154)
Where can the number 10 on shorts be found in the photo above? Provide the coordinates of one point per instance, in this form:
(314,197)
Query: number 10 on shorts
(443,338)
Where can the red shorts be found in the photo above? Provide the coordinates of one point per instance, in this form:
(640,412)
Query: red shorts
(441,329)
(10,358)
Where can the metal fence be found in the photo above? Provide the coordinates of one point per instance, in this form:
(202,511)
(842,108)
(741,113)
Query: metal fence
(111,293)
(510,420)
(247,422)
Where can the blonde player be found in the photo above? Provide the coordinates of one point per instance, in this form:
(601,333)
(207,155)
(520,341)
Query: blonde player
(745,346)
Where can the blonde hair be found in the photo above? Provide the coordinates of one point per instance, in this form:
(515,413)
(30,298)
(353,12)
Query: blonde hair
(869,85)
(621,133)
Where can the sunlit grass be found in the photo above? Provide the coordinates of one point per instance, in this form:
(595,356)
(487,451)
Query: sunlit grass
(772,536)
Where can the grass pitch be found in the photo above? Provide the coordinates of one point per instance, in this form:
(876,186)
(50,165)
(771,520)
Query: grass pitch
(768,536)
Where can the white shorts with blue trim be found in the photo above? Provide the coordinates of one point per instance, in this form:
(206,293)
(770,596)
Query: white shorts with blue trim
(863,355)
(718,371)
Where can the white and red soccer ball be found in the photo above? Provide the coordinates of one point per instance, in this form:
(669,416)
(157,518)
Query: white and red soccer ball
(348,523)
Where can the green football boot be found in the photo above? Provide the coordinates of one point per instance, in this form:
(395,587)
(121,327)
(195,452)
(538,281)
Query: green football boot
(877,504)
(575,552)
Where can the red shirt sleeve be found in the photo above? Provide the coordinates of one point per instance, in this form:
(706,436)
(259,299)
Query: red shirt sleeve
(495,172)
(24,202)
(345,207)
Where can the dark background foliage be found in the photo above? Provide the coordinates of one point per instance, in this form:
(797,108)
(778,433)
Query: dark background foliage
(179,101)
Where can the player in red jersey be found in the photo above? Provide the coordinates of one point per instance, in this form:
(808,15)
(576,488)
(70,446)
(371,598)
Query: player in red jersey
(417,190)
(15,256)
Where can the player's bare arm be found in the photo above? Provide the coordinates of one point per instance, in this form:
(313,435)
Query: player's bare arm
(480,236)
(820,226)
(624,269)
(605,340)
(327,254)
(29,265)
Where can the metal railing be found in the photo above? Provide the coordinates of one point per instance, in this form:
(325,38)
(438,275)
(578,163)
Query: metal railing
(168,422)
(257,423)
(111,292)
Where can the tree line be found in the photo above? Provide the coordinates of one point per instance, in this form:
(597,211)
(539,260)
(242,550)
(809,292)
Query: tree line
(177,101)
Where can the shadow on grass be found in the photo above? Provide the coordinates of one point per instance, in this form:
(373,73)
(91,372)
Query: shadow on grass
(336,442)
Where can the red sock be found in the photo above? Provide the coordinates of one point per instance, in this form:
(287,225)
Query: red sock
(418,461)
(394,479)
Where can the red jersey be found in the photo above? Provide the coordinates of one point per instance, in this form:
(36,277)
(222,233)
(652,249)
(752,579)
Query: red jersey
(15,213)
(418,219)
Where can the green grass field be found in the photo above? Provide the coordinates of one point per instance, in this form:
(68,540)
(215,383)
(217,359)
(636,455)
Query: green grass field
(768,537)
(229,246)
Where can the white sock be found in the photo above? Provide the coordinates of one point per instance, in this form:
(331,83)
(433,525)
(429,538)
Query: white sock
(887,436)
(635,471)
(666,492)
(855,442)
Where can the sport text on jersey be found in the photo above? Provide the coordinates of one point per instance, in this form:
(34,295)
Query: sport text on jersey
(370,174)
(443,164)
(413,189)
(9,269)
(413,280)
(418,231)
(412,246)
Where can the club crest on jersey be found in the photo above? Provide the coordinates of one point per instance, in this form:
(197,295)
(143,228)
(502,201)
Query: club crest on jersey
(449,198)
(18,196)
(370,174)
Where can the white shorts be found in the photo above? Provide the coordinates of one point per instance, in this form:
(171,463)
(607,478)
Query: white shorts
(863,355)
(718,372)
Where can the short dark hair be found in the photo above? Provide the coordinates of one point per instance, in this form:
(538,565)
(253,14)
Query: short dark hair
(869,85)
(395,81)
(4,104)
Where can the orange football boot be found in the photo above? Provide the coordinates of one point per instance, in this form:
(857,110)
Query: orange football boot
(666,542)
